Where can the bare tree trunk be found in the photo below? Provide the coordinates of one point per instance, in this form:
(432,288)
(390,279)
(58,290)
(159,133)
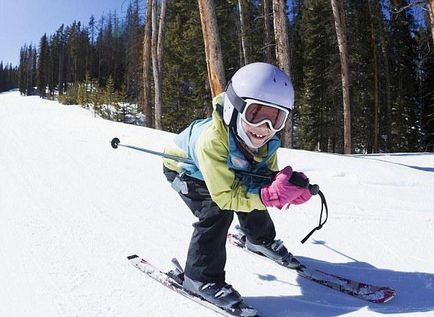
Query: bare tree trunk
(376,107)
(282,56)
(431,17)
(339,17)
(161,29)
(213,51)
(155,69)
(268,39)
(388,92)
(245,43)
(147,109)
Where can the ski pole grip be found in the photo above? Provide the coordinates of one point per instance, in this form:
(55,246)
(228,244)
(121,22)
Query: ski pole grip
(297,180)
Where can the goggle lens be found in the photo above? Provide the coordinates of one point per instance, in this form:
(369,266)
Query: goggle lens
(256,113)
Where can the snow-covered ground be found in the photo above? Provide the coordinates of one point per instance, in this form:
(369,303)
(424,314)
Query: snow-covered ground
(72,209)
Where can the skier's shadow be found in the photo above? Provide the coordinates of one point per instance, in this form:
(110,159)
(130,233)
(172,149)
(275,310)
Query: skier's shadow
(415,292)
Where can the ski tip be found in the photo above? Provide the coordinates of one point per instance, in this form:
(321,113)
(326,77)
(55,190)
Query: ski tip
(130,257)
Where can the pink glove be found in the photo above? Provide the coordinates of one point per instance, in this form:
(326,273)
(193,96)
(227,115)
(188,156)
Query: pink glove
(281,192)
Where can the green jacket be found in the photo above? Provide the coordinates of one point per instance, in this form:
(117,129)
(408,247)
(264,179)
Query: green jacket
(217,160)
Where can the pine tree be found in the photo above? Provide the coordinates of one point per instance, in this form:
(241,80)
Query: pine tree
(92,56)
(104,49)
(55,61)
(426,58)
(28,70)
(317,74)
(62,59)
(185,92)
(121,56)
(229,31)
(132,58)
(268,39)
(245,29)
(406,110)
(84,92)
(43,60)
(2,78)
(363,43)
(8,77)
(23,70)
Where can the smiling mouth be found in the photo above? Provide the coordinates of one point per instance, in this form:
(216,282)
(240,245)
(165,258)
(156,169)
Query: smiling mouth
(257,136)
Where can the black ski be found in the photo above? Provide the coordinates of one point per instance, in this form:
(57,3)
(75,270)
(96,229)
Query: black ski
(173,280)
(364,291)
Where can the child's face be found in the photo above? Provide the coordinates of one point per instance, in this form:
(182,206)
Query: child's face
(258,135)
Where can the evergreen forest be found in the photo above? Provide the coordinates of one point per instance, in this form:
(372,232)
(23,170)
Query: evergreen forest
(8,77)
(99,65)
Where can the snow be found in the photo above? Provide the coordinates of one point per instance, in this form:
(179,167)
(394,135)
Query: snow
(72,209)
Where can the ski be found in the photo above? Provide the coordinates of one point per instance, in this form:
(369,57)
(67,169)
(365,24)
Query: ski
(364,291)
(173,280)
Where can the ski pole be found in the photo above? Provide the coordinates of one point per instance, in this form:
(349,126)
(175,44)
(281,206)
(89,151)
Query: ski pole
(296,179)
(116,143)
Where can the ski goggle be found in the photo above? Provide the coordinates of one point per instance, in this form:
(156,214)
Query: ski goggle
(257,113)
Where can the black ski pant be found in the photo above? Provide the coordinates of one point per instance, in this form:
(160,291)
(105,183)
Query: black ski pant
(206,256)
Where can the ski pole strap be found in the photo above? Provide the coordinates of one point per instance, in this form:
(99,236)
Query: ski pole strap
(321,222)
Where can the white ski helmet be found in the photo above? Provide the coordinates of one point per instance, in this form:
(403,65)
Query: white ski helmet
(259,81)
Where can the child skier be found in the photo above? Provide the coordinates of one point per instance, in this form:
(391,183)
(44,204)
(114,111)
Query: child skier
(240,137)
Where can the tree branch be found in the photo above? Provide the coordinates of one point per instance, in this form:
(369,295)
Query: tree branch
(396,11)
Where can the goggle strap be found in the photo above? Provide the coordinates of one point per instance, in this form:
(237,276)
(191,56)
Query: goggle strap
(236,101)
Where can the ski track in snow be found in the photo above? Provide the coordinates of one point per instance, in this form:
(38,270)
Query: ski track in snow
(72,209)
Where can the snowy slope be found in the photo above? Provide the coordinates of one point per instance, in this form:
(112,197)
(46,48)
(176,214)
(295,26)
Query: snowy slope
(72,209)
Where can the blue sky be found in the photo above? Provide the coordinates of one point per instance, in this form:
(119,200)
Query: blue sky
(25,21)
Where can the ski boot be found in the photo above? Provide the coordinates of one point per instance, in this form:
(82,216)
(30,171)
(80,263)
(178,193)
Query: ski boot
(276,251)
(220,294)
